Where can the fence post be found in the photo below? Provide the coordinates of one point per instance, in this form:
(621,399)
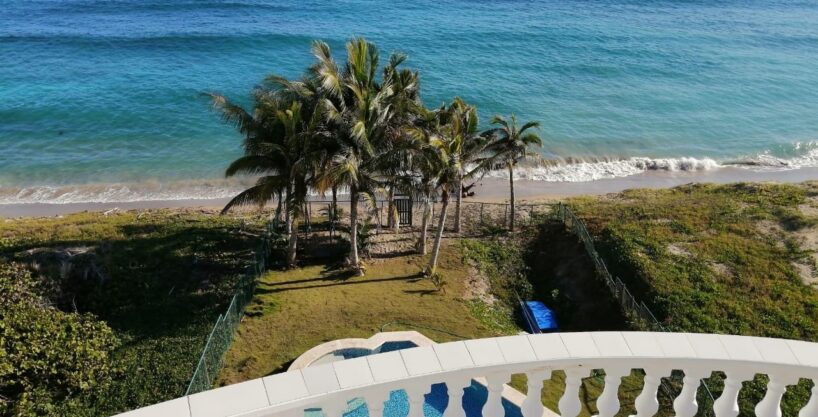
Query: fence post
(481,213)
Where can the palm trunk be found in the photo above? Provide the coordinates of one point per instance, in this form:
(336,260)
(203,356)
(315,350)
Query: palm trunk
(354,261)
(334,208)
(390,215)
(278,210)
(430,270)
(511,187)
(293,244)
(458,204)
(424,226)
(287,209)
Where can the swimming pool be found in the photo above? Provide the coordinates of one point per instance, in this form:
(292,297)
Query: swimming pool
(350,353)
(435,402)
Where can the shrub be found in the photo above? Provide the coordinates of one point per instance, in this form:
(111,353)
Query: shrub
(47,356)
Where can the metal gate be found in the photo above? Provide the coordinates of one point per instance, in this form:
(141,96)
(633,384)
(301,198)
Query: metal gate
(404,205)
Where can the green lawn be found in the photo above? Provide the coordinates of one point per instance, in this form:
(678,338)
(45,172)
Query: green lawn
(298,309)
(159,279)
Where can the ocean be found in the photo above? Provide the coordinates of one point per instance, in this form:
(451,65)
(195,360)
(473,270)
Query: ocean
(101,100)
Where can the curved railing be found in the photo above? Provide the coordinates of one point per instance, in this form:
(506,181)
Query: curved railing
(372,378)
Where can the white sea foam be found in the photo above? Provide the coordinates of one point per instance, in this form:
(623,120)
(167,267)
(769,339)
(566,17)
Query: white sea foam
(581,171)
(799,155)
(123,192)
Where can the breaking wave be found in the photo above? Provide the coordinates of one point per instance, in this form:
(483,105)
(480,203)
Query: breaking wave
(798,155)
(124,192)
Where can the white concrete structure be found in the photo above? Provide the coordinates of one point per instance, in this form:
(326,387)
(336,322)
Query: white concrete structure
(330,386)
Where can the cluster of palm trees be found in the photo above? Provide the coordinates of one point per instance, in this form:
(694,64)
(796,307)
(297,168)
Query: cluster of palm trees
(364,131)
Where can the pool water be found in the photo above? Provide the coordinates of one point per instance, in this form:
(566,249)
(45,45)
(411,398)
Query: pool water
(434,405)
(435,402)
(350,353)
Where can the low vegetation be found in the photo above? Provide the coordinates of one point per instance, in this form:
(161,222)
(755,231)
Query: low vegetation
(137,292)
(732,259)
(729,259)
(101,314)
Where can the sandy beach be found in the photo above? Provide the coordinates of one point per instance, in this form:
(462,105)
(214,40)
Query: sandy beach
(486,190)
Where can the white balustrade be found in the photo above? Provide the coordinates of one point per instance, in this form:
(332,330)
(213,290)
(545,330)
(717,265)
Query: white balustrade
(494,402)
(455,388)
(608,402)
(727,404)
(375,401)
(685,404)
(647,403)
(329,387)
(532,405)
(569,404)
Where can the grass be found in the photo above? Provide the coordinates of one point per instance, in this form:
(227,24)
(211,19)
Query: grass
(158,278)
(725,259)
(298,309)
(707,258)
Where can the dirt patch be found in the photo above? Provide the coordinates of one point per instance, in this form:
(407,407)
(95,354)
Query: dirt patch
(808,239)
(773,231)
(677,250)
(721,269)
(809,209)
(477,287)
(806,273)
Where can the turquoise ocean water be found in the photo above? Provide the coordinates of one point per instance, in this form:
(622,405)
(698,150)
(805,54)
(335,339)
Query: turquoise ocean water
(100,100)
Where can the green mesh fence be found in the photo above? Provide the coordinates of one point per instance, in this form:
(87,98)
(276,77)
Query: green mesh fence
(218,341)
(632,308)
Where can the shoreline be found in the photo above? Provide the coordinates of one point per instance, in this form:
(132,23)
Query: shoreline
(486,190)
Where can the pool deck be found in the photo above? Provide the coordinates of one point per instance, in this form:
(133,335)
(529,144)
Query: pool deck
(309,357)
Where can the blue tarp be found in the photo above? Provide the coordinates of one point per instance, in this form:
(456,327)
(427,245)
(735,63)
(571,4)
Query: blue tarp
(543,317)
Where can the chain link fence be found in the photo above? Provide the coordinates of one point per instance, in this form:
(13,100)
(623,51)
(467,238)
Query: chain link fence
(221,336)
(632,307)
(476,218)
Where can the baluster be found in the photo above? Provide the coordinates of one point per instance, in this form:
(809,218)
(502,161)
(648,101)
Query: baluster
(455,389)
(416,397)
(811,409)
(727,404)
(647,403)
(770,406)
(608,402)
(334,408)
(494,403)
(375,400)
(532,405)
(569,404)
(685,404)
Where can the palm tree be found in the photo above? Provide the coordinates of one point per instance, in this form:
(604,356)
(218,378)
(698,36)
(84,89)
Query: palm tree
(276,147)
(509,146)
(440,147)
(421,179)
(356,108)
(471,151)
(404,103)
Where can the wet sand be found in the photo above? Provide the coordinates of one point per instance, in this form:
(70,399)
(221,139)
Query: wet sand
(487,190)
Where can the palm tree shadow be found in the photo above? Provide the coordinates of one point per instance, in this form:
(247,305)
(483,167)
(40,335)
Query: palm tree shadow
(159,279)
(421,292)
(278,287)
